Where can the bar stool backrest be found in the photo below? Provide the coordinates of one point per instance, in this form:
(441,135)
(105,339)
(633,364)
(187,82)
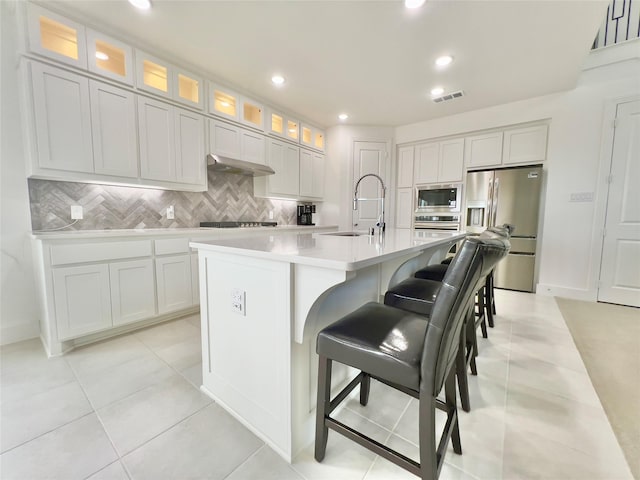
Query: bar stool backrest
(453,303)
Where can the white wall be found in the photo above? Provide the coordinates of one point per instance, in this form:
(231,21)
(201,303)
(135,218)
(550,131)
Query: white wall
(571,234)
(336,208)
(18,306)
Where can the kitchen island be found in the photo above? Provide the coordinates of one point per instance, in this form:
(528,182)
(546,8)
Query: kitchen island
(264,299)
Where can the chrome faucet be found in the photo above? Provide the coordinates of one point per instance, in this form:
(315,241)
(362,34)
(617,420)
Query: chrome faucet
(381,223)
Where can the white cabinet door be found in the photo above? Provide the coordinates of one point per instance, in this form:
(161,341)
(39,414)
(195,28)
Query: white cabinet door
(525,145)
(483,150)
(190,157)
(62,119)
(173,283)
(109,57)
(132,291)
(82,300)
(157,140)
(154,75)
(317,187)
(426,162)
(224,139)
(451,161)
(405,167)
(113,117)
(252,147)
(195,279)
(285,160)
(188,88)
(404,207)
(306,173)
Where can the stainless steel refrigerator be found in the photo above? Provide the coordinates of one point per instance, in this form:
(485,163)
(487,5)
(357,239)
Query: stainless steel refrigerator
(509,195)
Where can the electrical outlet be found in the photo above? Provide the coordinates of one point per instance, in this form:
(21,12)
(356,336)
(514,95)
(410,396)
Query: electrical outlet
(581,197)
(270,214)
(76,212)
(170,213)
(238,301)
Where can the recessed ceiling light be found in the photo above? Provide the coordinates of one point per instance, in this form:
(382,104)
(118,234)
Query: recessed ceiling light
(444,60)
(343,116)
(437,91)
(102,56)
(141,4)
(413,3)
(277,79)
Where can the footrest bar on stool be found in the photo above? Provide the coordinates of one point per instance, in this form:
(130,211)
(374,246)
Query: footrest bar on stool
(344,392)
(373,445)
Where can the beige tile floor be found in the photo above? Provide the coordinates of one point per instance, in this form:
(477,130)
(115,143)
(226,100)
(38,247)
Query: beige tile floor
(130,408)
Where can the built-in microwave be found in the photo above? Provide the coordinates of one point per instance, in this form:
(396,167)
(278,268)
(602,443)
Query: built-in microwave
(438,198)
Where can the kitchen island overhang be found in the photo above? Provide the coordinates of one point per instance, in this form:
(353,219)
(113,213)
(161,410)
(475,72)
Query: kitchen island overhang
(263,301)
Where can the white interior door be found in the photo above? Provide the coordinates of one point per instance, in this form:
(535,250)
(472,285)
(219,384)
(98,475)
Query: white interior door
(620,268)
(369,157)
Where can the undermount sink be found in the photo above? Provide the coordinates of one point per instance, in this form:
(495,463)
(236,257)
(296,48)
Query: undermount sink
(345,234)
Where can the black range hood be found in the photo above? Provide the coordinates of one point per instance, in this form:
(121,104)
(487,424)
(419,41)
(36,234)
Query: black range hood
(221,163)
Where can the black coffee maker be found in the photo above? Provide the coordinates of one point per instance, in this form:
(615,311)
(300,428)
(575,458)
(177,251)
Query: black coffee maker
(305,214)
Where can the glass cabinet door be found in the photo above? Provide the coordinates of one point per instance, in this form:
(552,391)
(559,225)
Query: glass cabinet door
(318,141)
(189,89)
(223,102)
(293,128)
(277,124)
(56,37)
(252,114)
(152,75)
(307,137)
(109,57)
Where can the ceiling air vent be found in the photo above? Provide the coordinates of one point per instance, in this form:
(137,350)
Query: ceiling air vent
(448,96)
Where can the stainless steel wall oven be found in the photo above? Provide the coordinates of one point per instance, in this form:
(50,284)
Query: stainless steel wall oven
(438,207)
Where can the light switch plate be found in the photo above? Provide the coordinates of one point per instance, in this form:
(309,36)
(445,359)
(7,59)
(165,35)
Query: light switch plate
(170,212)
(238,301)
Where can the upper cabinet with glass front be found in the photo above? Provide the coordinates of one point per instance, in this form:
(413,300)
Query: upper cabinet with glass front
(283,126)
(153,75)
(109,57)
(56,37)
(188,88)
(226,103)
(312,137)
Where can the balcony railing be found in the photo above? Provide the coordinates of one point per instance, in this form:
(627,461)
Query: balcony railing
(622,23)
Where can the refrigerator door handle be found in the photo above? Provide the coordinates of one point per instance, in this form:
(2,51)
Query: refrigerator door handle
(489,204)
(494,203)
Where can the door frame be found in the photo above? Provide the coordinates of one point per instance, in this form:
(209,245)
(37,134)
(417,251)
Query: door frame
(602,192)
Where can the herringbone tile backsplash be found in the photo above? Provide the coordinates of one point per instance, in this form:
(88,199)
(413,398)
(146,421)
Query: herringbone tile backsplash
(229,198)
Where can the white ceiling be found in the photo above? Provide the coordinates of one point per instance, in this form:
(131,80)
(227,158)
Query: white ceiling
(371,59)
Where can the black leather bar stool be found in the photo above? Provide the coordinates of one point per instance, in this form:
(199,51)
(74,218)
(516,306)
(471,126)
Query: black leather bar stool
(418,295)
(409,352)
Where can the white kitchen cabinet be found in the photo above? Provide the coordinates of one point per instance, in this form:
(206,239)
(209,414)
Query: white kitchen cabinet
(82,299)
(525,145)
(62,119)
(56,37)
(132,291)
(405,167)
(188,88)
(284,158)
(195,279)
(156,129)
(426,162)
(252,147)
(312,137)
(451,160)
(113,127)
(483,150)
(311,174)
(191,165)
(173,283)
(224,102)
(153,75)
(109,57)
(224,139)
(252,113)
(439,161)
(404,207)
(282,125)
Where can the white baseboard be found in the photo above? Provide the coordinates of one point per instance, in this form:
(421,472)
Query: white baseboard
(17,333)
(573,293)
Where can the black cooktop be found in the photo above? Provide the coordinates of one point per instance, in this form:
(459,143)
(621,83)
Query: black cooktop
(241,224)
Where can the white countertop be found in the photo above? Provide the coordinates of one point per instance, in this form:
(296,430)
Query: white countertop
(330,251)
(183,232)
